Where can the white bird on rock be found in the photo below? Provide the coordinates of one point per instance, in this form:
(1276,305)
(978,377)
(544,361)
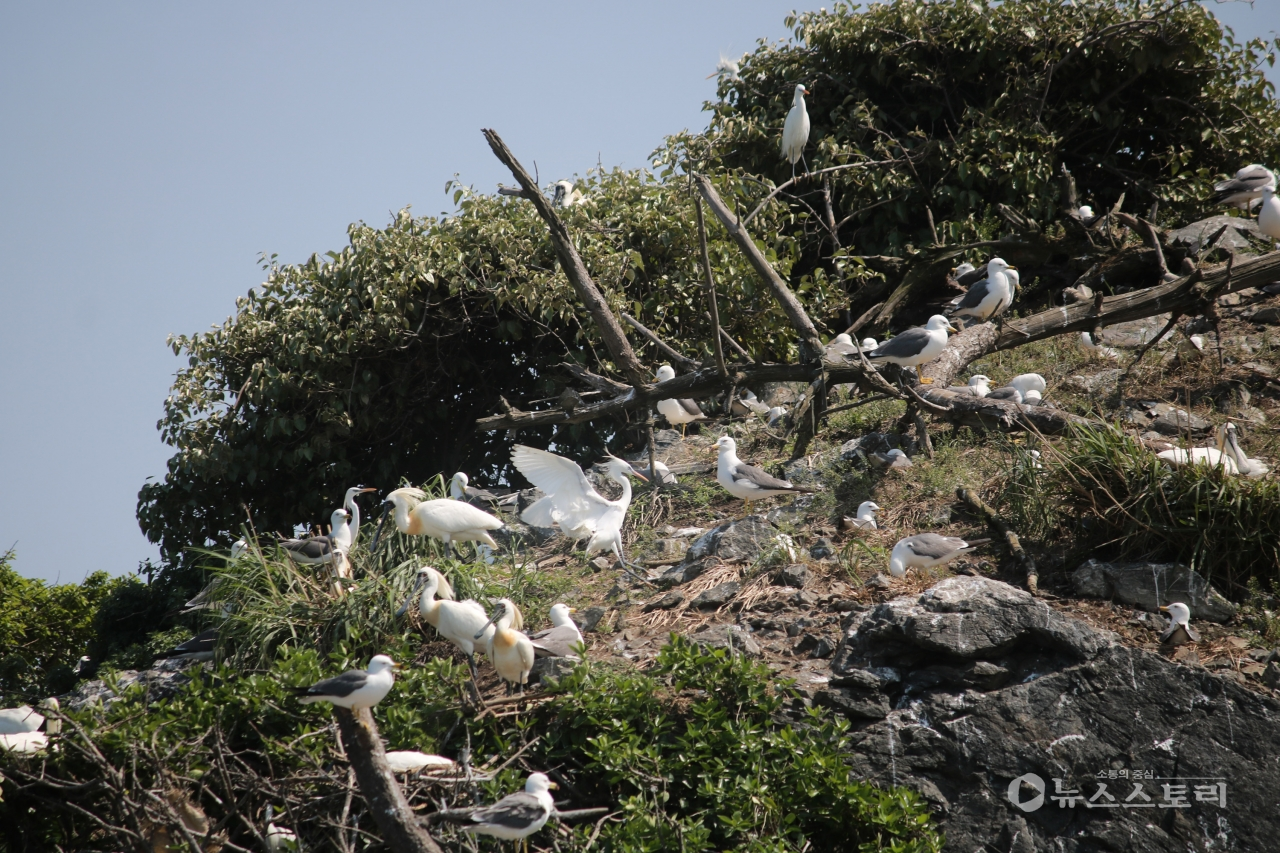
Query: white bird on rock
(915,347)
(517,816)
(446,520)
(679,413)
(1179,630)
(571,502)
(510,650)
(795,131)
(1025,382)
(355,688)
(559,640)
(747,481)
(926,550)
(456,621)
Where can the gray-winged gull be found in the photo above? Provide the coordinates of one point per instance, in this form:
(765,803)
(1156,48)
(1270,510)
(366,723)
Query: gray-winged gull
(747,481)
(1245,188)
(200,647)
(558,641)
(678,412)
(914,347)
(517,816)
(318,550)
(1179,630)
(894,459)
(925,550)
(1088,342)
(355,688)
(979,386)
(868,343)
(1007,393)
(990,296)
(866,518)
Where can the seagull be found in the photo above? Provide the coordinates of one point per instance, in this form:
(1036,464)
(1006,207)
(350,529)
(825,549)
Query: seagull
(979,386)
(775,414)
(1032,397)
(200,647)
(866,519)
(868,343)
(926,550)
(461,490)
(1006,393)
(915,347)
(354,689)
(412,761)
(1245,188)
(1087,341)
(510,650)
(989,297)
(571,501)
(839,346)
(664,473)
(1085,212)
(317,550)
(1269,213)
(795,132)
(749,401)
(746,481)
(1025,382)
(447,520)
(677,412)
(558,641)
(1211,456)
(1179,630)
(566,195)
(460,622)
(1253,468)
(517,816)
(894,459)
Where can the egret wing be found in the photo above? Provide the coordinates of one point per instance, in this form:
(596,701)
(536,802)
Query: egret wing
(575,500)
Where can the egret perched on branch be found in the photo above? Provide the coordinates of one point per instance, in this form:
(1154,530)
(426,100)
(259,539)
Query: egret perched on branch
(571,502)
(795,131)
(456,621)
(447,520)
(915,347)
(355,688)
(679,413)
(510,650)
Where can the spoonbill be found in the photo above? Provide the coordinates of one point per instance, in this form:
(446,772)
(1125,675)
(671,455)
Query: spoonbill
(460,622)
(510,650)
(446,520)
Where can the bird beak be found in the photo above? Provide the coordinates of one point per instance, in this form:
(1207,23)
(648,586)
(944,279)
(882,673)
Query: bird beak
(362,491)
(553,786)
(1015,269)
(495,615)
(806,91)
(573,610)
(641,476)
(712,74)
(1163,609)
(952,329)
(396,667)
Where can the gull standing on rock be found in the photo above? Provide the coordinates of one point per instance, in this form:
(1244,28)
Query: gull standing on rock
(1179,631)
(915,347)
(746,481)
(926,550)
(677,412)
(795,132)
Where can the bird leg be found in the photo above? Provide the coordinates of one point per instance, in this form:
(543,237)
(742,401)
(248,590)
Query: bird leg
(922,378)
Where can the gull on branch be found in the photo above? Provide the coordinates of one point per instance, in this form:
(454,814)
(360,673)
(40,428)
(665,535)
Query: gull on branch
(915,347)
(356,688)
(678,412)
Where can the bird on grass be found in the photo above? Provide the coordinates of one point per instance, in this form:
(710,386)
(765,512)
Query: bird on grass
(748,403)
(345,536)
(509,649)
(893,460)
(926,550)
(1216,456)
(460,622)
(1179,631)
(679,413)
(1254,468)
(446,520)
(915,347)
(1087,341)
(200,647)
(1026,382)
(571,502)
(747,481)
(795,131)
(663,476)
(1245,188)
(517,816)
(279,838)
(991,296)
(866,518)
(559,640)
(355,688)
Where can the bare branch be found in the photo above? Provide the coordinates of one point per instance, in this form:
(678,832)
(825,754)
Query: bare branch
(670,352)
(714,309)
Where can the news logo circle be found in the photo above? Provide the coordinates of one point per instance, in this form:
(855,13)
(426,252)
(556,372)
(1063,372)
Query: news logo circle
(1015,792)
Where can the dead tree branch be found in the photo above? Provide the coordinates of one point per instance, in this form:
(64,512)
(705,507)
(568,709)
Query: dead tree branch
(969,497)
(713,309)
(667,350)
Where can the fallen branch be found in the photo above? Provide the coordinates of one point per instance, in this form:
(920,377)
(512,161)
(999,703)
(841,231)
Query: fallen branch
(970,498)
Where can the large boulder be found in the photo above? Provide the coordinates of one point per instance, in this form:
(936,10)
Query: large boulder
(1149,585)
(1010,718)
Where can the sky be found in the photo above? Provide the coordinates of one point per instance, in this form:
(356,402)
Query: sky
(150,152)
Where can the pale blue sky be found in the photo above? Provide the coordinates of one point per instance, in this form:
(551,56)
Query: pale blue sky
(150,151)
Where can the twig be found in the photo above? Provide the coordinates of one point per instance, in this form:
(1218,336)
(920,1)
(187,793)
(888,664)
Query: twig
(686,363)
(737,347)
(811,175)
(970,498)
(714,309)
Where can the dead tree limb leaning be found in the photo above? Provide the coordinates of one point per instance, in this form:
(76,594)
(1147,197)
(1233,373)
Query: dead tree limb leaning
(667,350)
(810,342)
(714,309)
(970,498)
(391,811)
(615,339)
(728,339)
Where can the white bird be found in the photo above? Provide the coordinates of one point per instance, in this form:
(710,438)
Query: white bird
(317,550)
(1087,341)
(726,69)
(20,720)
(747,481)
(840,346)
(566,195)
(447,520)
(679,413)
(355,688)
(751,403)
(989,297)
(915,347)
(559,640)
(1085,212)
(1269,213)
(925,550)
(412,761)
(1025,382)
(963,270)
(460,622)
(979,386)
(1032,397)
(795,131)
(868,343)
(1179,630)
(866,519)
(517,816)
(894,459)
(775,414)
(1253,468)
(278,837)
(571,502)
(1211,456)
(1245,188)
(345,536)
(664,474)
(509,649)
(24,743)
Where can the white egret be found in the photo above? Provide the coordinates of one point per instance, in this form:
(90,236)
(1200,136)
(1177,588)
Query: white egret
(915,347)
(559,640)
(679,413)
(726,69)
(355,688)
(991,296)
(412,761)
(446,520)
(795,131)
(509,649)
(1179,630)
(571,502)
(925,550)
(517,816)
(456,621)
(747,481)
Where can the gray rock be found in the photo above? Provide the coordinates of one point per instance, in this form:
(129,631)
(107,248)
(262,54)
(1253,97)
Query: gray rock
(550,668)
(727,637)
(717,596)
(813,646)
(1269,315)
(1197,234)
(666,602)
(793,575)
(740,540)
(665,552)
(1149,585)
(673,576)
(1099,384)
(979,707)
(796,511)
(822,549)
(590,618)
(879,581)
(163,680)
